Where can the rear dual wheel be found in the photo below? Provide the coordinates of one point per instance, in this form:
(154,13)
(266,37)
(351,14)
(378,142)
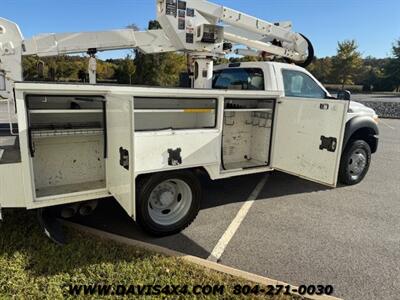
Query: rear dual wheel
(168,202)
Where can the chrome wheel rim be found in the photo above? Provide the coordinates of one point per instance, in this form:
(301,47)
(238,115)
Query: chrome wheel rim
(170,202)
(357,163)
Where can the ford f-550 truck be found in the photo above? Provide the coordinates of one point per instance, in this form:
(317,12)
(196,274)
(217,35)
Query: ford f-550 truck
(73,144)
(146,146)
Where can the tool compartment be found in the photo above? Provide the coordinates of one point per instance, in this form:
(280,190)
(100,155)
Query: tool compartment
(67,142)
(247,133)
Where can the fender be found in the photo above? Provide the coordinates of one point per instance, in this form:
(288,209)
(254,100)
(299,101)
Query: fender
(365,128)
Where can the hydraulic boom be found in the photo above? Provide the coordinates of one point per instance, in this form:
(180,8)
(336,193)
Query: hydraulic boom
(200,28)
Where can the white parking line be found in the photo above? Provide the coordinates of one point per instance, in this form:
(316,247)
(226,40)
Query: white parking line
(1,153)
(234,226)
(384,123)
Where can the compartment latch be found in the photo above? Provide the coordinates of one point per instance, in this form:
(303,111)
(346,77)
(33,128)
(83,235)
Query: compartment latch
(124,158)
(328,143)
(174,158)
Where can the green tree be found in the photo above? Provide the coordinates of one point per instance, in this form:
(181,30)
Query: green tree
(82,75)
(392,69)
(321,68)
(347,63)
(29,64)
(221,61)
(64,67)
(373,76)
(125,70)
(161,69)
(105,70)
(245,59)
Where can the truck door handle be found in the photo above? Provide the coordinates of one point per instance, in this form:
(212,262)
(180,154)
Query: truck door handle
(124,158)
(324,106)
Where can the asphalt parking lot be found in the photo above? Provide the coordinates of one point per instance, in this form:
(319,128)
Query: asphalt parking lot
(297,231)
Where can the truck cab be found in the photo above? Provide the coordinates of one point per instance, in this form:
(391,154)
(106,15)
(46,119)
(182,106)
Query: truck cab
(293,82)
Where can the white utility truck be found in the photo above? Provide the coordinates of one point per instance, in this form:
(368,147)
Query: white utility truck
(72,144)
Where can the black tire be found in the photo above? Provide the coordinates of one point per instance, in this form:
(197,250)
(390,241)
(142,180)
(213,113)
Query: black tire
(349,173)
(145,187)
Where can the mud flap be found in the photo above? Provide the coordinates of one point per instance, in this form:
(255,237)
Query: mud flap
(51,226)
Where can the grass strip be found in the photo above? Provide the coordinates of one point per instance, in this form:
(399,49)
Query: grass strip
(32,267)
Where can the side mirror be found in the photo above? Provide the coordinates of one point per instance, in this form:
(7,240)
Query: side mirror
(344,95)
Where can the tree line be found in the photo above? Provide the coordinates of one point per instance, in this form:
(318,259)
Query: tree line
(137,68)
(346,68)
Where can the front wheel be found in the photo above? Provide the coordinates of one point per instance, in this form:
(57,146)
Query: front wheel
(166,203)
(355,162)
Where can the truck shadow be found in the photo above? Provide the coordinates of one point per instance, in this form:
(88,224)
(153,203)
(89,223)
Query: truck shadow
(110,217)
(238,189)
(17,236)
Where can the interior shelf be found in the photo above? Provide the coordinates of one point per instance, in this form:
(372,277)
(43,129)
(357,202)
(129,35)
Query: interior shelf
(67,132)
(65,111)
(244,164)
(69,188)
(247,109)
(186,110)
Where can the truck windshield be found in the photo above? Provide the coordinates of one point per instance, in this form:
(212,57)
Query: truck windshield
(239,79)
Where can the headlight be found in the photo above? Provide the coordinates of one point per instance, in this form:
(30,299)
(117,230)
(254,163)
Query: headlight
(376,119)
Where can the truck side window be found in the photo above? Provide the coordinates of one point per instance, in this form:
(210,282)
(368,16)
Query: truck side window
(239,79)
(299,84)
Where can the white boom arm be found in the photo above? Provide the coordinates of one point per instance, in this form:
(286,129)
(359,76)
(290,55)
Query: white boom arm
(154,41)
(192,26)
(276,39)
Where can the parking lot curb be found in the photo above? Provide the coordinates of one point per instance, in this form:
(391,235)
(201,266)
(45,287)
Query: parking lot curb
(189,258)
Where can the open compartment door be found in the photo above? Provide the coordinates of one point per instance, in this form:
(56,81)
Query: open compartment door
(120,134)
(308,138)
